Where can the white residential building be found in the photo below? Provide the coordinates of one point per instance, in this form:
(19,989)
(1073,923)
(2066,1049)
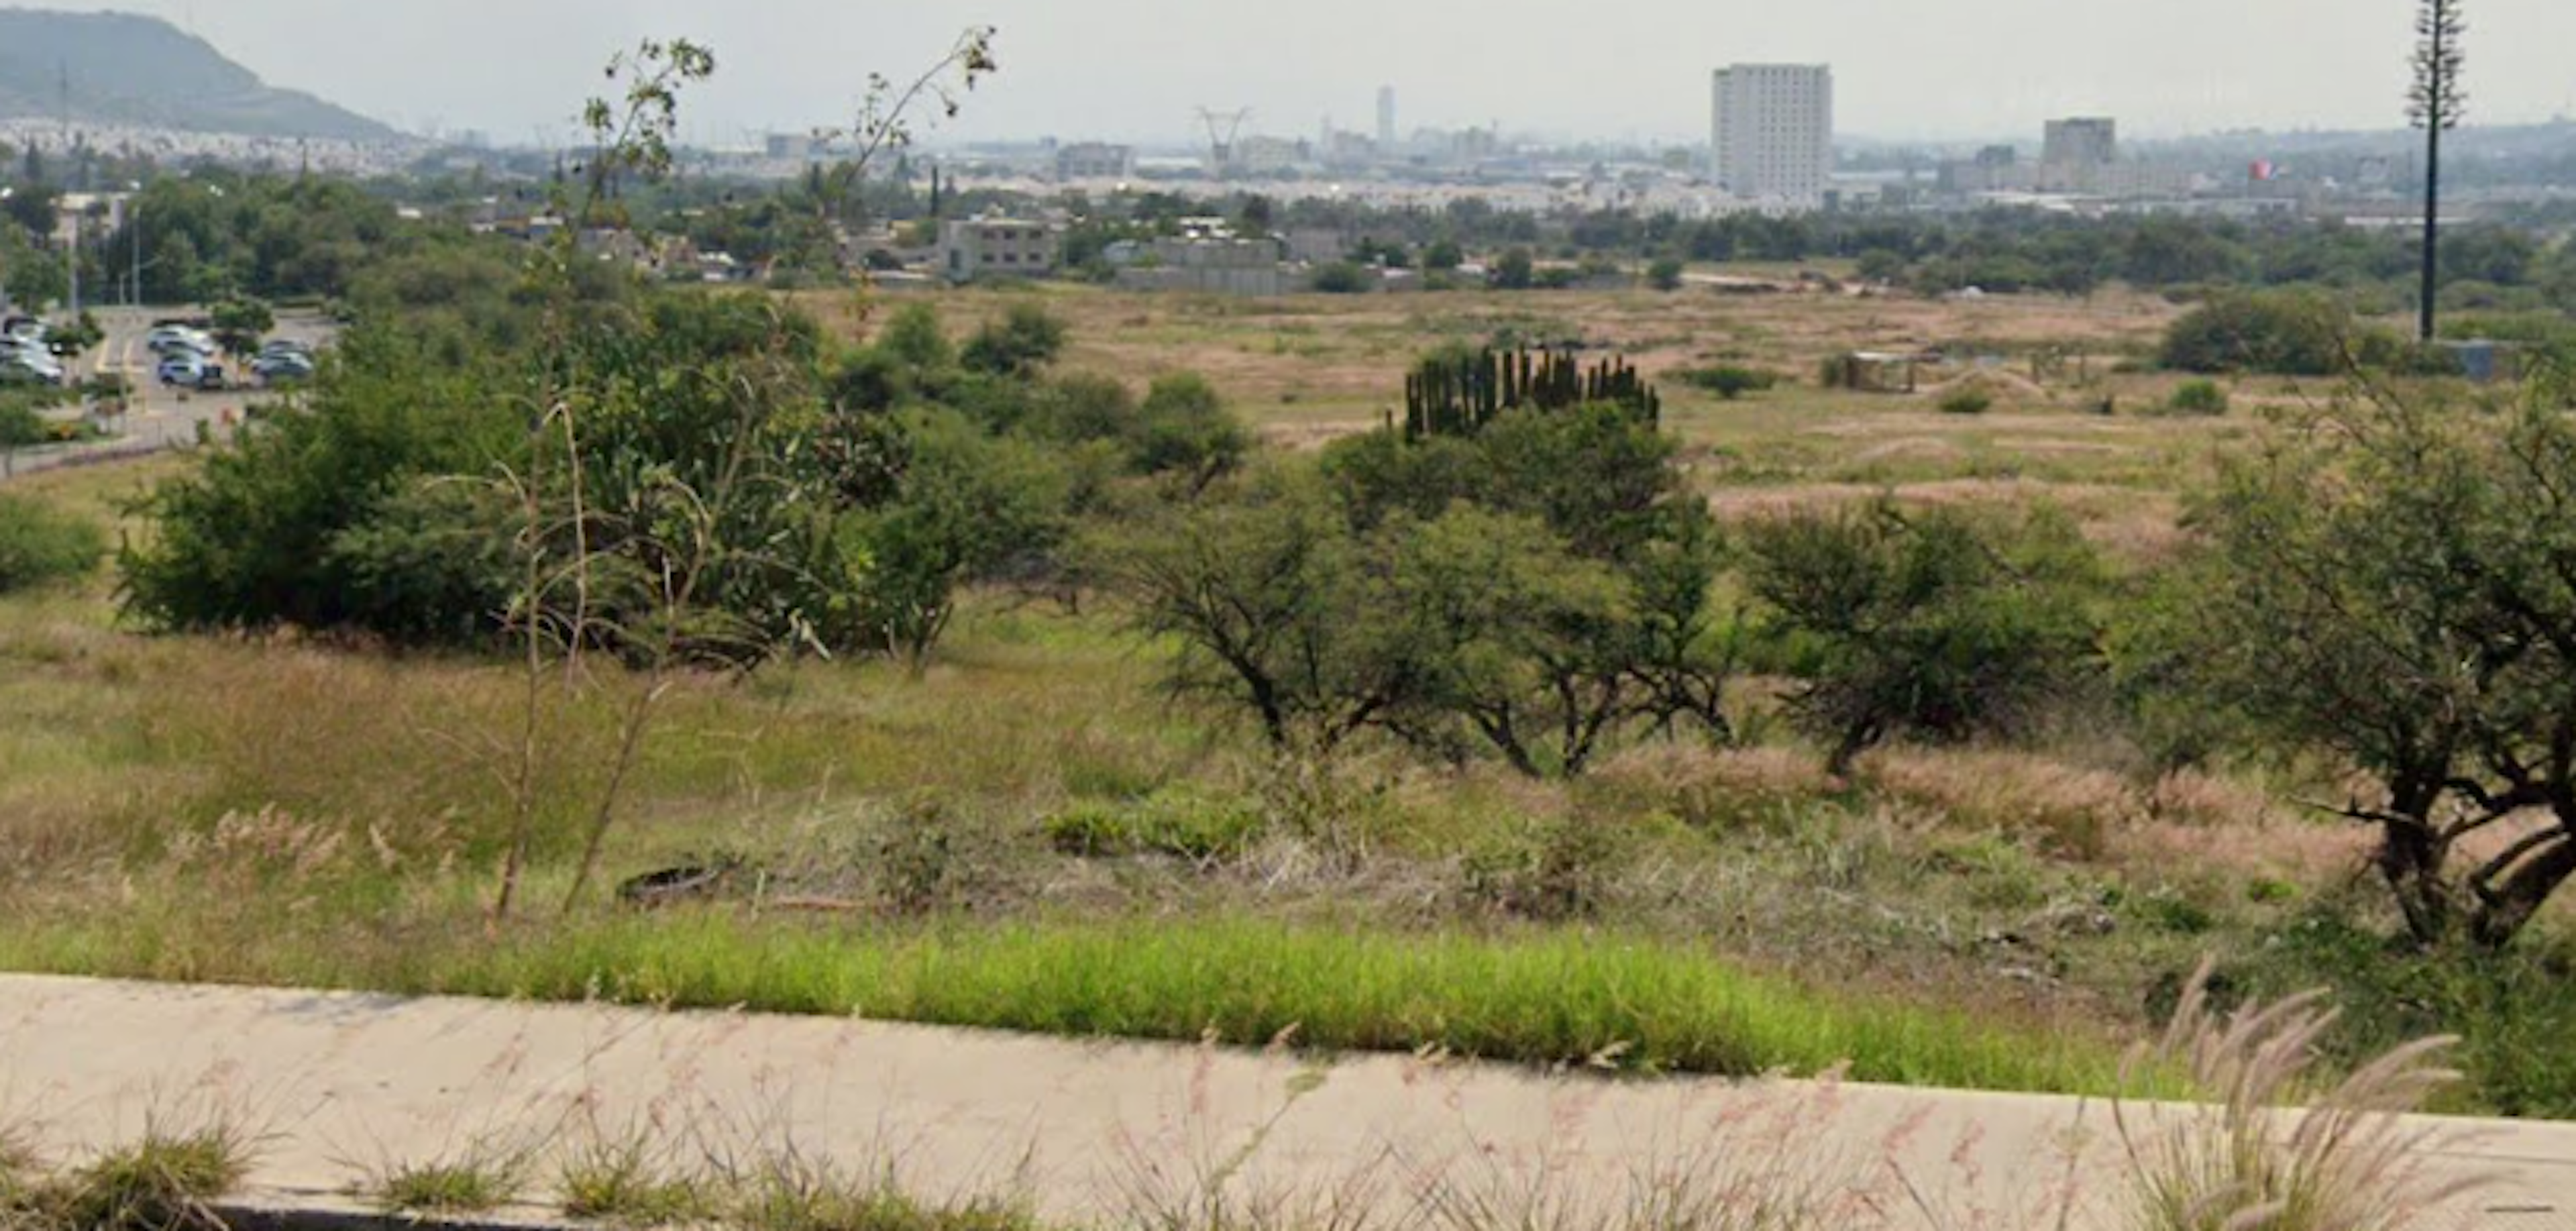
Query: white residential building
(1772,132)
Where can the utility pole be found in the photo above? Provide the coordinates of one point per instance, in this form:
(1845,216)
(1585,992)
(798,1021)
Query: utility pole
(71,258)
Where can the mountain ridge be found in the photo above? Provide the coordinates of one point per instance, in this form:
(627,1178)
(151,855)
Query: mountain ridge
(131,69)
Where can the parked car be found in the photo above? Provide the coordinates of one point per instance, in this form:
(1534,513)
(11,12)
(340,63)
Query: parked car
(191,372)
(176,345)
(21,370)
(282,367)
(33,355)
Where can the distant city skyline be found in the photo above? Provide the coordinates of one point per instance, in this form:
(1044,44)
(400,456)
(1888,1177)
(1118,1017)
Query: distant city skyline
(1137,70)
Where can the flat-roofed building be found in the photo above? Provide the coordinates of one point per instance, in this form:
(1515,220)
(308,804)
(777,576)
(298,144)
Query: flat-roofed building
(998,247)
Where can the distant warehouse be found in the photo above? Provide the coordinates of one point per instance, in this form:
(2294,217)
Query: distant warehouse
(1092,160)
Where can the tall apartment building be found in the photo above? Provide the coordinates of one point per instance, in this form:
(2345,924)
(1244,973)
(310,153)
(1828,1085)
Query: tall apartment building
(1773,132)
(2081,143)
(1386,120)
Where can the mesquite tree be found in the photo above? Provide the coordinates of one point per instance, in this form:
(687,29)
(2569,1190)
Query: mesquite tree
(2437,104)
(2395,584)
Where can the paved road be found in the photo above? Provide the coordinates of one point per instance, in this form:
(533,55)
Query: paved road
(341,1083)
(157,418)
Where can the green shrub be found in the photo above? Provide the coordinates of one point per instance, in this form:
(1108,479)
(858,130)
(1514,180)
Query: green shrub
(1936,623)
(2279,333)
(1730,382)
(39,545)
(1341,278)
(2199,397)
(1182,823)
(1967,401)
(1184,428)
(1026,339)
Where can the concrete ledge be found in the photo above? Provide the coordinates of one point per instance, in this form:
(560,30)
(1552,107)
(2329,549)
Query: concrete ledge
(324,1079)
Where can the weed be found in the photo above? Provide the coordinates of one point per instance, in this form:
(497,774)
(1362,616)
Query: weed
(788,1191)
(1773,1163)
(483,1178)
(919,858)
(1549,870)
(627,1183)
(2350,1162)
(19,1178)
(162,1182)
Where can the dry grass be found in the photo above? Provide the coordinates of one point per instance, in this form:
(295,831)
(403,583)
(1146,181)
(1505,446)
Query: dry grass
(1784,1159)
(2070,811)
(2263,1158)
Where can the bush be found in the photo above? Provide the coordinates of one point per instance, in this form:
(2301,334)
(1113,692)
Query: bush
(2199,397)
(1932,622)
(39,545)
(1180,823)
(1967,401)
(1026,339)
(1341,278)
(1730,382)
(2277,333)
(968,504)
(1665,275)
(244,540)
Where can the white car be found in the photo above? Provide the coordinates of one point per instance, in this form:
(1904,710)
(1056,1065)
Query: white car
(180,344)
(18,369)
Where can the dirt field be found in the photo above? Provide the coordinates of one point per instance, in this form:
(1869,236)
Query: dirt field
(1307,369)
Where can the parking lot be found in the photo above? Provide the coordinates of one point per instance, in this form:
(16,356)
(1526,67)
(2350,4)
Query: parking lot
(157,417)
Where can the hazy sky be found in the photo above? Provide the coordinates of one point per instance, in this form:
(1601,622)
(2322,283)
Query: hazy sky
(1139,69)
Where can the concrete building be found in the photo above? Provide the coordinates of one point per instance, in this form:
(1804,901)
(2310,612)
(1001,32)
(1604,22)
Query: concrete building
(1093,160)
(1208,260)
(2077,143)
(1772,132)
(1386,118)
(998,247)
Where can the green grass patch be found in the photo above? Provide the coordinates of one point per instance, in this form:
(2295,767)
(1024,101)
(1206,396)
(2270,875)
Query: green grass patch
(161,1182)
(1565,997)
(461,1186)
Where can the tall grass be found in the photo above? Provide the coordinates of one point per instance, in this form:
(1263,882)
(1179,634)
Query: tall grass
(2262,1155)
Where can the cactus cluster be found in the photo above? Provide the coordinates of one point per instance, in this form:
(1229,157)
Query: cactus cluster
(1459,394)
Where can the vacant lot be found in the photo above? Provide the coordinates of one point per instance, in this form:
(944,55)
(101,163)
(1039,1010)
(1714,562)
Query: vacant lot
(1032,835)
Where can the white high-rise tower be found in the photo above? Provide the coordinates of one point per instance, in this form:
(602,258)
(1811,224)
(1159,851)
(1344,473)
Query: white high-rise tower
(1386,119)
(1772,132)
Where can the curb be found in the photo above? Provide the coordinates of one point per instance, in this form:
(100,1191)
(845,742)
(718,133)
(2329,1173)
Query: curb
(285,1210)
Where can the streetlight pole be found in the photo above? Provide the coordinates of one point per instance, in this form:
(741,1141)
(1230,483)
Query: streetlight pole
(71,257)
(134,223)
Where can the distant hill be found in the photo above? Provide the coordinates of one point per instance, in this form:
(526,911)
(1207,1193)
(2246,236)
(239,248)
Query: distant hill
(127,69)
